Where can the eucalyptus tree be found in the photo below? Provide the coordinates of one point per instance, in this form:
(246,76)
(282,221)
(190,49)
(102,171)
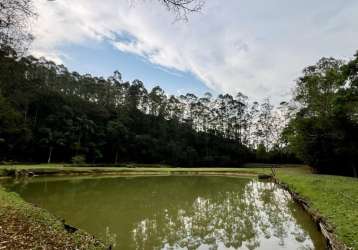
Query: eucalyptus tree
(252,118)
(198,111)
(157,102)
(137,96)
(205,106)
(266,122)
(120,88)
(220,113)
(175,109)
(189,101)
(240,106)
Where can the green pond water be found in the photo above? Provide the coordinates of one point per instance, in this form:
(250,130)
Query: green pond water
(176,212)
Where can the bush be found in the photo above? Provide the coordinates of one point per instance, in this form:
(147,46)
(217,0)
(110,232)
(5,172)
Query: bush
(78,159)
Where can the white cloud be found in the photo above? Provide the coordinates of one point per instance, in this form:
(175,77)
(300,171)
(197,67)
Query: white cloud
(256,47)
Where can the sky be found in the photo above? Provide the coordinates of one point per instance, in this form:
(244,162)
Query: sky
(255,47)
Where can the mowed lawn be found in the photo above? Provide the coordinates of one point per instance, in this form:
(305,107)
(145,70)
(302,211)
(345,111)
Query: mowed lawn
(333,197)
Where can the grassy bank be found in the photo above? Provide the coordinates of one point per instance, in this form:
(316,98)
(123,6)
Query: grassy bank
(64,169)
(24,226)
(333,197)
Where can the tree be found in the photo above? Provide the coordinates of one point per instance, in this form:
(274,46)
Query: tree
(323,131)
(12,131)
(117,135)
(264,130)
(15,17)
(157,102)
(51,139)
(137,96)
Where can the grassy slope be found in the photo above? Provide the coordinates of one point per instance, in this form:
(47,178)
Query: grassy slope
(24,226)
(334,197)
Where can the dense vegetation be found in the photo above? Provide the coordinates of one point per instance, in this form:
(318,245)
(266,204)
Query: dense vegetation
(50,114)
(324,130)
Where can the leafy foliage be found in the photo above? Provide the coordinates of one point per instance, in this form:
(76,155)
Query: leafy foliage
(324,132)
(50,114)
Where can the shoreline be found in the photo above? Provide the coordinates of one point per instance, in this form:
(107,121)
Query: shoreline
(26,226)
(37,171)
(323,226)
(27,215)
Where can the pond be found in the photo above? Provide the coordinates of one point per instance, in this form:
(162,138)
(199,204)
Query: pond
(176,212)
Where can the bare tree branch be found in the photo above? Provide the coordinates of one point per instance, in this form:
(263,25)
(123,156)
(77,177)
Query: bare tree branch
(183,7)
(15,18)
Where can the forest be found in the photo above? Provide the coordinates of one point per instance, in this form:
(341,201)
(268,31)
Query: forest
(49,114)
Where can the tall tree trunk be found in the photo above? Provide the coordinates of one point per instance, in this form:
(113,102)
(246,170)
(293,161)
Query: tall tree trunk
(35,119)
(116,157)
(49,154)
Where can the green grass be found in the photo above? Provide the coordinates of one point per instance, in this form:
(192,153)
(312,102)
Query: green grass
(28,226)
(61,169)
(333,197)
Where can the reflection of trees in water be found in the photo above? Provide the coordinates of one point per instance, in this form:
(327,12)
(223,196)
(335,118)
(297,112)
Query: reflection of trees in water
(230,219)
(178,212)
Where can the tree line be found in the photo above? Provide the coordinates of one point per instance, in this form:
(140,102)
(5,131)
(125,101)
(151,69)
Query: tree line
(50,114)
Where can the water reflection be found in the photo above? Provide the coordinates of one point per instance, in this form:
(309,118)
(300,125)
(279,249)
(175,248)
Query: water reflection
(179,212)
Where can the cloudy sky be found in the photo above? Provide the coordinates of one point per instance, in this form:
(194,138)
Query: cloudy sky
(253,46)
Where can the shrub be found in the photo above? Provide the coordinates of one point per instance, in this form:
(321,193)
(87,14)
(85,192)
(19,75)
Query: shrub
(78,159)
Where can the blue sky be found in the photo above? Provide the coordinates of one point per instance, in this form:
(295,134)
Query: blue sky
(102,59)
(255,47)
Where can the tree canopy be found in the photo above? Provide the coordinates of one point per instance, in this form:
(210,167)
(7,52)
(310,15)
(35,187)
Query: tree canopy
(51,114)
(324,131)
